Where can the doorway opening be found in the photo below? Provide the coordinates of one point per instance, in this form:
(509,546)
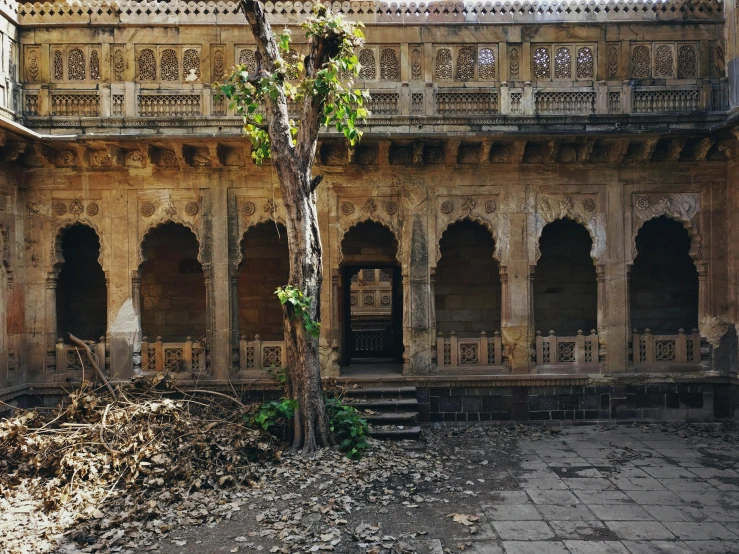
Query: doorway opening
(372,318)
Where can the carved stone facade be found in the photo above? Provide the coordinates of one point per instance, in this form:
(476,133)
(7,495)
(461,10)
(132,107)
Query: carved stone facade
(492,127)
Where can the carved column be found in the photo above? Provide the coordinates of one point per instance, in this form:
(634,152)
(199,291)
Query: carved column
(416,301)
(602,310)
(517,313)
(51,319)
(704,291)
(235,331)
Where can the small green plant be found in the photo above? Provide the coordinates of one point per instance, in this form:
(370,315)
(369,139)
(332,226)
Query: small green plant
(275,414)
(279,376)
(349,428)
(301,307)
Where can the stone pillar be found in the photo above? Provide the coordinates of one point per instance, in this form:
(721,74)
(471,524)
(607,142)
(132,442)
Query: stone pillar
(517,312)
(704,291)
(218,283)
(234,309)
(51,329)
(614,329)
(416,298)
(731,30)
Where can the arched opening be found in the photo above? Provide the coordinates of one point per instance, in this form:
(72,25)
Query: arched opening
(467,287)
(265,266)
(372,311)
(81,291)
(565,282)
(173,297)
(664,281)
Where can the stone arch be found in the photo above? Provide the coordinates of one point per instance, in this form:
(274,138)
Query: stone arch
(565,283)
(163,221)
(594,226)
(467,280)
(664,284)
(493,230)
(81,292)
(57,257)
(696,241)
(265,266)
(173,283)
(371,219)
(254,221)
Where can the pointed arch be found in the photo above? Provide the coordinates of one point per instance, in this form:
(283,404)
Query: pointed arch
(696,241)
(81,285)
(373,221)
(664,279)
(151,226)
(57,255)
(467,283)
(595,226)
(565,286)
(493,230)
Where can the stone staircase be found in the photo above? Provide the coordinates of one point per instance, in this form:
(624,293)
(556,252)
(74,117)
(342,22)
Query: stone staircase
(392,412)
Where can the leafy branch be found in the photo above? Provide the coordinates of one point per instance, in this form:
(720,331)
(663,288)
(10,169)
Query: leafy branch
(301,307)
(329,87)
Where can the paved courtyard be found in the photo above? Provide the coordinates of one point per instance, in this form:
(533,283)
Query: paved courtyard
(531,490)
(613,490)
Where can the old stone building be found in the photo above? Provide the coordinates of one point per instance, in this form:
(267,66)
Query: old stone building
(540,222)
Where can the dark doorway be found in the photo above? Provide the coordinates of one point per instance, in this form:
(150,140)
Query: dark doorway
(664,281)
(565,282)
(372,315)
(81,294)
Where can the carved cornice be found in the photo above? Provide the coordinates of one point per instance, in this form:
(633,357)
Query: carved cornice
(436,12)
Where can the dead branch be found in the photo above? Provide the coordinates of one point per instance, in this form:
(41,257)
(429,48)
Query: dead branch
(95,366)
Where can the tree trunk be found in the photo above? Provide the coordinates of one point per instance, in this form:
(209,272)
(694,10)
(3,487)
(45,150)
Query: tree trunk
(311,429)
(293,161)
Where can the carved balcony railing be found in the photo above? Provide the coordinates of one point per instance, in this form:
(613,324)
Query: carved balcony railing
(516,98)
(459,352)
(173,357)
(579,350)
(259,355)
(668,351)
(72,358)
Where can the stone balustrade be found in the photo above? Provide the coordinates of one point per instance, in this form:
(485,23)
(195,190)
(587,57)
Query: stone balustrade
(580,350)
(71,358)
(667,351)
(259,355)
(173,357)
(482,351)
(439,102)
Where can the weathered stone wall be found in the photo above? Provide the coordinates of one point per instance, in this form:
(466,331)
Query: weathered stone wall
(657,401)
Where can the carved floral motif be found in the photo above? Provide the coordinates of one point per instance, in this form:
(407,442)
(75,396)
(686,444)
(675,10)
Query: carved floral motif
(446,207)
(490,206)
(249,208)
(347,208)
(92,209)
(191,208)
(147,209)
(60,209)
(391,208)
(76,208)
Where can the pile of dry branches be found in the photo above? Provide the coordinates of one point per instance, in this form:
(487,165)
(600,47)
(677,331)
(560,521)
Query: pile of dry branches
(125,456)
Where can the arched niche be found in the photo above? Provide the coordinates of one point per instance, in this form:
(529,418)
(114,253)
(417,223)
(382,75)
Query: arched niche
(81,290)
(265,265)
(663,284)
(467,286)
(565,289)
(173,292)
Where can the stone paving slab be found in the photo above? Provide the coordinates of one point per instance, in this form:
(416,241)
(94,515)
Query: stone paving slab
(630,491)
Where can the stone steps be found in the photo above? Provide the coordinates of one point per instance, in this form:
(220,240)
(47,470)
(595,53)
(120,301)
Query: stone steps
(392,412)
